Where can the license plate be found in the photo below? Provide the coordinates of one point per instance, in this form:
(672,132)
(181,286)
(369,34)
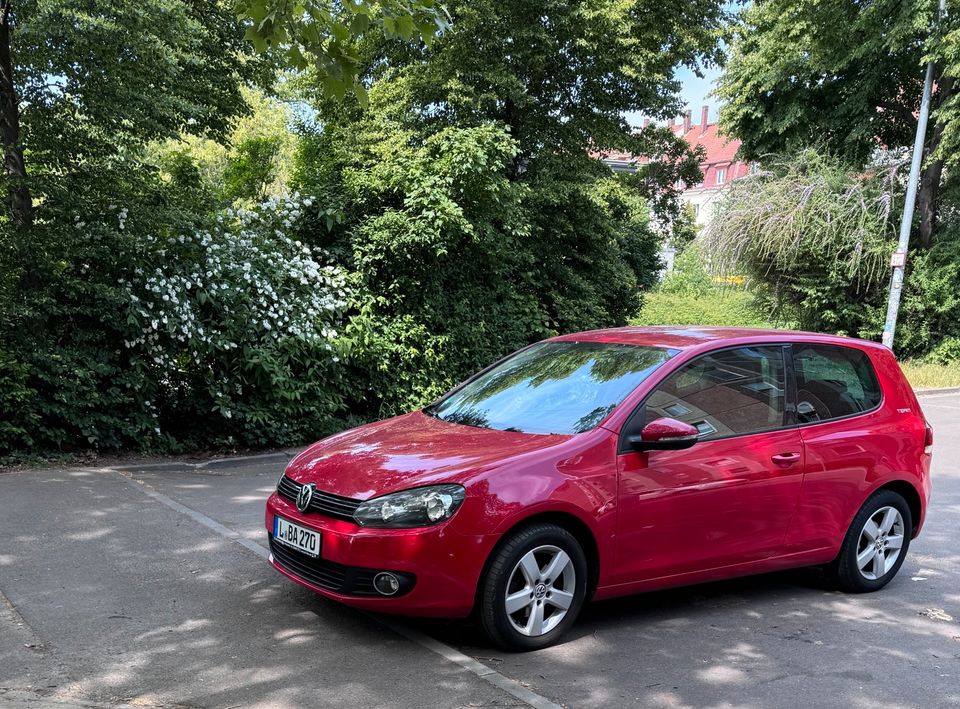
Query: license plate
(293,535)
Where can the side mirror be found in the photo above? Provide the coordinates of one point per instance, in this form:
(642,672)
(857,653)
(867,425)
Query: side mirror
(664,434)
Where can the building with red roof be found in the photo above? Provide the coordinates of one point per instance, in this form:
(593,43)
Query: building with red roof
(720,166)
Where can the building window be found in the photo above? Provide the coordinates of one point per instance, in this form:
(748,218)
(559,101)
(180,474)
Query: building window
(696,210)
(721,176)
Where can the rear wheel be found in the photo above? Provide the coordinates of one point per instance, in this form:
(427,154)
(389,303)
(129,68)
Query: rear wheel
(875,545)
(534,588)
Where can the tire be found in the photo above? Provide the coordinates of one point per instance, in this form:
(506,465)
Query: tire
(510,569)
(855,569)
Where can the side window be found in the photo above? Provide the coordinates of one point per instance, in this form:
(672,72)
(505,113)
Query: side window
(724,393)
(833,382)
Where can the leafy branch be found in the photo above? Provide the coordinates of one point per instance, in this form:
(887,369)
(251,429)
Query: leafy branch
(325,34)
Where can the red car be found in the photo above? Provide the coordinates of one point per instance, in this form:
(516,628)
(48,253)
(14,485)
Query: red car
(610,462)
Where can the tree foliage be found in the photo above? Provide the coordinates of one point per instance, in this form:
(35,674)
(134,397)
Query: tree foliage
(451,263)
(253,162)
(559,75)
(468,197)
(98,79)
(842,74)
(323,35)
(847,76)
(95,82)
(814,236)
(459,214)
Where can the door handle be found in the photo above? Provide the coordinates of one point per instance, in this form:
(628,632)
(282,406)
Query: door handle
(785,459)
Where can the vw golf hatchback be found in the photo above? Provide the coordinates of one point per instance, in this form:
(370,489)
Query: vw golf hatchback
(611,462)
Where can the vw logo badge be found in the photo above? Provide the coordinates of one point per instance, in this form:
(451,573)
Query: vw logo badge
(305,497)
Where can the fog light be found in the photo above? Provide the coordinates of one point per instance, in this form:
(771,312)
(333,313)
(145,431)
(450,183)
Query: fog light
(386,584)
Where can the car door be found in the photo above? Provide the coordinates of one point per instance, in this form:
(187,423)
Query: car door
(730,497)
(848,440)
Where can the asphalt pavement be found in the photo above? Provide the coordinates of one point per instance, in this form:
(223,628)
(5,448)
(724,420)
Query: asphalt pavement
(146,586)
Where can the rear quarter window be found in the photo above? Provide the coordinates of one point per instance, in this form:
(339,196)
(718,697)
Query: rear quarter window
(833,382)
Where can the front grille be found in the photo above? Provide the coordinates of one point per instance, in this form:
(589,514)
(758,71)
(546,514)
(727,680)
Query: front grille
(348,580)
(324,503)
(319,572)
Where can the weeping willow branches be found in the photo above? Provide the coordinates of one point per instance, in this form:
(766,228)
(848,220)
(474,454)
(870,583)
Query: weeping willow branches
(805,210)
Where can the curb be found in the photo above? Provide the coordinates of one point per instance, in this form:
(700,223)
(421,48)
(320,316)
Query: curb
(283,456)
(930,392)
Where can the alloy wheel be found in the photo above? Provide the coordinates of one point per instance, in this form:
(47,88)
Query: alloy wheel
(540,590)
(880,543)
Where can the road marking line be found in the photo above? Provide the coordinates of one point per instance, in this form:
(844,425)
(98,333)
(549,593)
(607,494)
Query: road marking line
(198,517)
(36,697)
(491,676)
(508,685)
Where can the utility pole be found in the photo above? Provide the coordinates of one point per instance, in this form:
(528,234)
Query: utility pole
(899,259)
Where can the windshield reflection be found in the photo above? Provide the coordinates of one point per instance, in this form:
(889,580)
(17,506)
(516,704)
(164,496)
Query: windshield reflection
(552,387)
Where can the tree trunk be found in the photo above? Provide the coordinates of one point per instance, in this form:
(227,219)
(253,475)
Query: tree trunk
(927,200)
(21,203)
(932,171)
(510,116)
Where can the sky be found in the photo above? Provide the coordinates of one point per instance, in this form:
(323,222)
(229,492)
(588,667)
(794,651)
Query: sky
(693,92)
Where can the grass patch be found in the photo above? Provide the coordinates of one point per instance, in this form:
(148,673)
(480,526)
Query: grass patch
(929,375)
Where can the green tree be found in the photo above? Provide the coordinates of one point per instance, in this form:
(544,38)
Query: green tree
(847,76)
(85,85)
(559,75)
(252,161)
(468,198)
(252,168)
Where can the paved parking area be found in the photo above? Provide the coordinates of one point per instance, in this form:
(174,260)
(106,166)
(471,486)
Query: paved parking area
(147,587)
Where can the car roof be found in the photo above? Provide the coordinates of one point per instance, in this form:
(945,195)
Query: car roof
(689,336)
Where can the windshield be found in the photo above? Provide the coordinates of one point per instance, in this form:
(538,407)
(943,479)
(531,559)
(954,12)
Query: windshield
(552,387)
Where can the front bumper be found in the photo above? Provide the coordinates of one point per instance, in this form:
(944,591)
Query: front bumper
(444,566)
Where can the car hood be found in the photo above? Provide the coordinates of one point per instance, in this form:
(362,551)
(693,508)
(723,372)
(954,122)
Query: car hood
(409,451)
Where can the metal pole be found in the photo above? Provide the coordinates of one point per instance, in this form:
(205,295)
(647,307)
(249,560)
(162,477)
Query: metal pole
(899,260)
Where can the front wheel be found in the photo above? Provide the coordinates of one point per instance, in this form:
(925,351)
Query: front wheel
(534,588)
(876,544)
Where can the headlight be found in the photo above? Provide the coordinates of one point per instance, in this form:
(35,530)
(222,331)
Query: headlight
(420,507)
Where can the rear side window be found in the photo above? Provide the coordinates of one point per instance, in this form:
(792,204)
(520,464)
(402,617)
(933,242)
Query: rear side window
(833,382)
(724,393)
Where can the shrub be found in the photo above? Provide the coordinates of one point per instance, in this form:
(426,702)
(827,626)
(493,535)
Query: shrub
(929,319)
(719,307)
(234,325)
(146,330)
(453,263)
(689,275)
(62,331)
(19,419)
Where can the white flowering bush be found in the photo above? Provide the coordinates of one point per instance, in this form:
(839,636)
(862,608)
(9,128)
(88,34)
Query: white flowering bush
(238,322)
